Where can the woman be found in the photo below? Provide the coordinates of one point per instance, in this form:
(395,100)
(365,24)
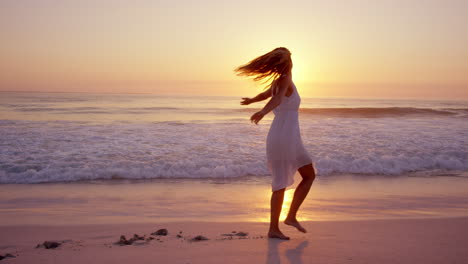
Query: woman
(285,151)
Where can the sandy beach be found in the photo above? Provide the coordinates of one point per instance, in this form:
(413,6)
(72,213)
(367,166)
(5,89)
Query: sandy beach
(372,241)
(389,220)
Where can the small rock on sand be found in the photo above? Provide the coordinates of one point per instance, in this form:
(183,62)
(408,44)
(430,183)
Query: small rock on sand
(199,238)
(49,244)
(7,255)
(137,237)
(124,241)
(242,234)
(160,232)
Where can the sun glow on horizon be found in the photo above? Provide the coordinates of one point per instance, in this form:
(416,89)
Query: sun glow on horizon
(337,50)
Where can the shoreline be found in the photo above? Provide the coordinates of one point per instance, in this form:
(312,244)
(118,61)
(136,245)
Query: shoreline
(365,241)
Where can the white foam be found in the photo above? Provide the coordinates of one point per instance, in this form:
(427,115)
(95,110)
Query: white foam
(35,151)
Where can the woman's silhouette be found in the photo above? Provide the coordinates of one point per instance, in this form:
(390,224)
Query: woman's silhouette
(285,151)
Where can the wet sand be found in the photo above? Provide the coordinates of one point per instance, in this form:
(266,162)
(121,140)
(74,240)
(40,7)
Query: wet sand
(230,200)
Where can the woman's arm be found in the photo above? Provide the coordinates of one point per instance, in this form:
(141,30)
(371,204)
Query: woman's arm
(282,85)
(260,97)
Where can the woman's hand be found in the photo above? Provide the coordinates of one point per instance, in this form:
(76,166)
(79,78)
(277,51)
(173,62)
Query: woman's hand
(246,101)
(255,118)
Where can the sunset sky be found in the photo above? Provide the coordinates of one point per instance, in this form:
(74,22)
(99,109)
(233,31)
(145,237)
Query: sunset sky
(385,49)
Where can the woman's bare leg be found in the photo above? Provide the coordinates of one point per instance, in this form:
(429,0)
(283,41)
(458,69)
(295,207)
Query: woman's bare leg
(308,176)
(276,204)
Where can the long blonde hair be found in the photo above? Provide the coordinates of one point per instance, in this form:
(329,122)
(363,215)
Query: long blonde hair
(268,66)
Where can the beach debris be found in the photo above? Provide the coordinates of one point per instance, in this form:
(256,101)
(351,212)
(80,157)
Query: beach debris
(160,232)
(124,241)
(137,237)
(242,234)
(199,238)
(239,234)
(227,237)
(49,244)
(179,235)
(7,255)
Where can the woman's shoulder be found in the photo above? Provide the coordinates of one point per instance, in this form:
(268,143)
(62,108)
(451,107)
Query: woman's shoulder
(284,79)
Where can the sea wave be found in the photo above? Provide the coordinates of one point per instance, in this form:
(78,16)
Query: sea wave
(80,110)
(370,112)
(37,152)
(342,112)
(85,170)
(383,112)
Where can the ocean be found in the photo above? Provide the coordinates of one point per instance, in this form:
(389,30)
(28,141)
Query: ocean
(74,137)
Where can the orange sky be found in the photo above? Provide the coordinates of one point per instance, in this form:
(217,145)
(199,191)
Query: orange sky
(350,48)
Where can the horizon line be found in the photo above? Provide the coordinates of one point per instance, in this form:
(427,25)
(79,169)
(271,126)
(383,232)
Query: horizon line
(198,95)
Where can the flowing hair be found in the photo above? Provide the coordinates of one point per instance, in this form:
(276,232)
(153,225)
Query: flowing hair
(268,66)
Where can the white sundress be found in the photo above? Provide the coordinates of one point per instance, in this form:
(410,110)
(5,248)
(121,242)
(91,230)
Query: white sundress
(284,147)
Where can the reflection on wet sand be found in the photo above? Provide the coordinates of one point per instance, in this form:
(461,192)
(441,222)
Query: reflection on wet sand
(264,206)
(290,250)
(246,200)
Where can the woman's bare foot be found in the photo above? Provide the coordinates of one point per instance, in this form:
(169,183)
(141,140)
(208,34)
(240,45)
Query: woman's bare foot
(277,234)
(295,223)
